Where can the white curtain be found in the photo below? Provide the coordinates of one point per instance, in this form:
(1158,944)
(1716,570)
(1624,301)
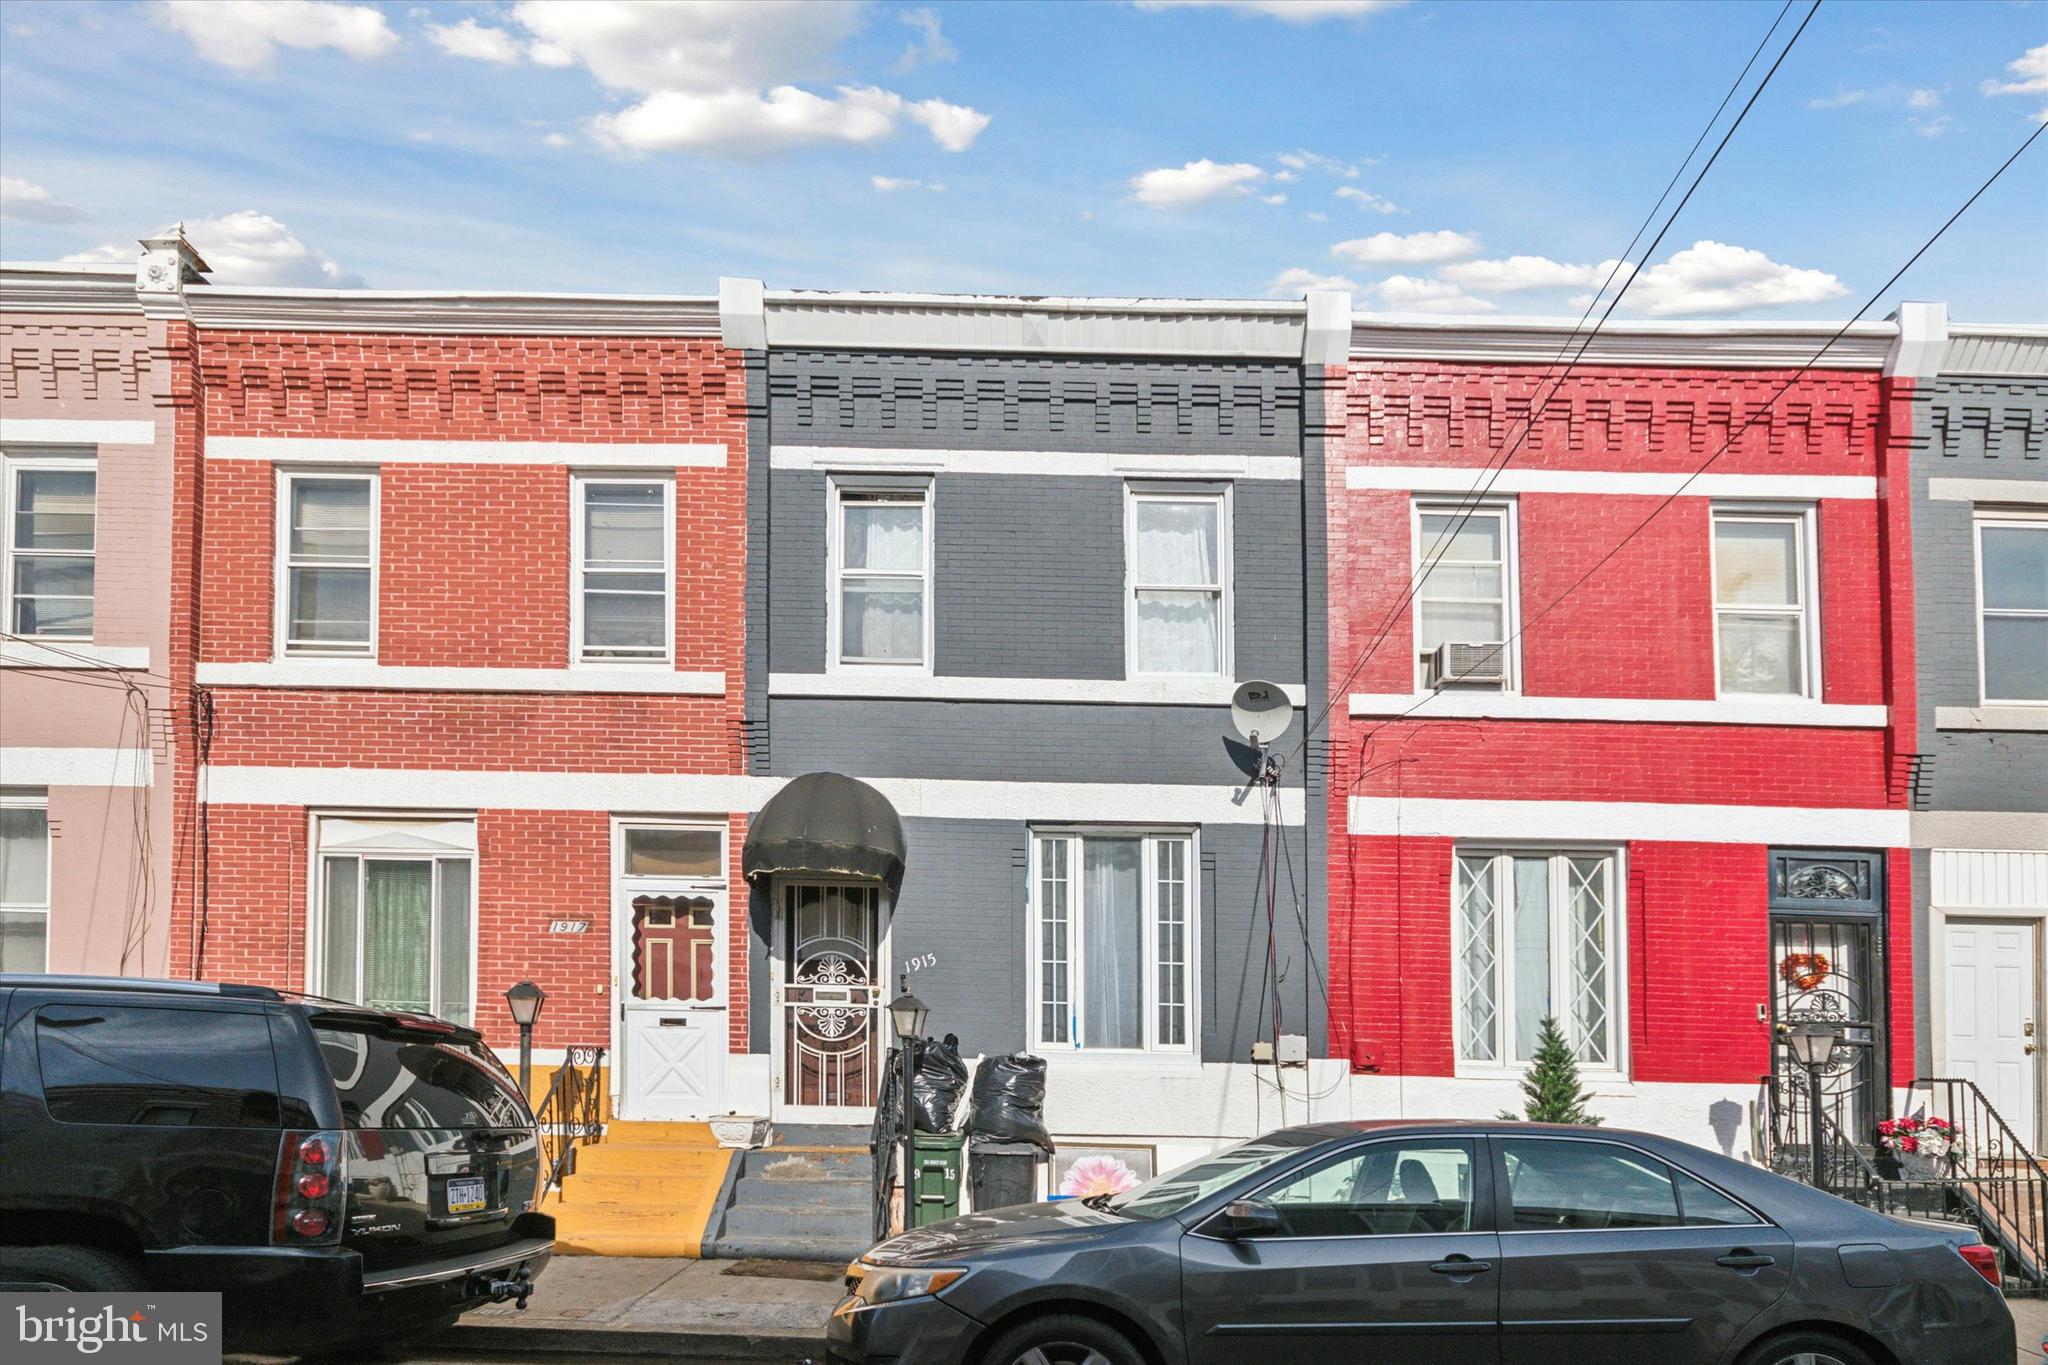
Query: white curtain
(885,536)
(881,606)
(1112,944)
(1177,550)
(1531,952)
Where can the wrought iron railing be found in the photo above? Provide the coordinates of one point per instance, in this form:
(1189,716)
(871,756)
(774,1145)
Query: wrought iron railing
(1784,1138)
(2002,1184)
(572,1111)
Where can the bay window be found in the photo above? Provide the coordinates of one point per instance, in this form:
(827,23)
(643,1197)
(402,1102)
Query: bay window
(1113,934)
(2012,606)
(49,543)
(24,881)
(394,915)
(1538,935)
(1178,612)
(1763,603)
(327,564)
(624,569)
(881,575)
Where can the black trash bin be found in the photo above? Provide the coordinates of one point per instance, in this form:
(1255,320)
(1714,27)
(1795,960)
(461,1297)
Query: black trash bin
(1002,1174)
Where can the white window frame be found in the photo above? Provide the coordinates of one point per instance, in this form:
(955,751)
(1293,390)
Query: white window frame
(283,563)
(841,488)
(1151,837)
(19,798)
(316,895)
(580,484)
(1507,511)
(13,464)
(1504,1012)
(1802,516)
(1224,496)
(2002,518)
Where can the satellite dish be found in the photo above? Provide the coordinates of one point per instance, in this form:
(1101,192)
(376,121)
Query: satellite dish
(1261,712)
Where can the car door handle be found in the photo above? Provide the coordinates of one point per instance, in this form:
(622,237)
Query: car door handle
(1462,1265)
(1745,1260)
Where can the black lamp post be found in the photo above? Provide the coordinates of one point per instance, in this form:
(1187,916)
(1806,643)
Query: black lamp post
(525,1000)
(908,1014)
(1813,1047)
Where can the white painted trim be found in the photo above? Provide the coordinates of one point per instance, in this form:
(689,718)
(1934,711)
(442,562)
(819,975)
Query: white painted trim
(575,454)
(61,431)
(26,767)
(2015,830)
(1461,479)
(1495,821)
(1978,879)
(1999,713)
(1508,514)
(914,798)
(444,311)
(1063,463)
(1220,328)
(323,674)
(1804,518)
(1147,691)
(2034,491)
(579,569)
(282,479)
(2027,719)
(837,489)
(1136,494)
(81,655)
(1641,710)
(1703,342)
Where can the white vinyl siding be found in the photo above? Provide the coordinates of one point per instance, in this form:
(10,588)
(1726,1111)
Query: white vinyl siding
(623,548)
(327,564)
(1113,935)
(24,881)
(880,615)
(1467,596)
(2012,611)
(1537,934)
(394,918)
(1178,570)
(1764,618)
(49,543)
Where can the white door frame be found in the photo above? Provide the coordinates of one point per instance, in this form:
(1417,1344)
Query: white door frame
(622,893)
(778,965)
(1938,919)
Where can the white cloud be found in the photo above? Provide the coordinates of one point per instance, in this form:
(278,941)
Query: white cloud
(1933,127)
(1198,182)
(1272,199)
(930,47)
(1519,273)
(245,37)
(1407,294)
(556,140)
(1366,199)
(475,41)
(1303,160)
(1713,277)
(1923,99)
(1416,248)
(889,184)
(112,253)
(1841,99)
(1300,280)
(2031,67)
(723,77)
(25,199)
(1287,11)
(249,248)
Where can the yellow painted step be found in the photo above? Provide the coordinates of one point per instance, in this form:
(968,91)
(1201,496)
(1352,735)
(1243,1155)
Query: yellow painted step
(608,1158)
(681,1134)
(604,1243)
(637,1189)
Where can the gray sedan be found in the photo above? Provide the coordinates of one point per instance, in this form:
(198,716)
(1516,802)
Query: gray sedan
(1420,1242)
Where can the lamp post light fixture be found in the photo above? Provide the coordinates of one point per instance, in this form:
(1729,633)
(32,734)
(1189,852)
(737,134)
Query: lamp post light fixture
(525,1000)
(1813,1047)
(908,1014)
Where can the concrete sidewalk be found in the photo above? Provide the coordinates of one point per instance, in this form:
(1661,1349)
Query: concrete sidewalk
(681,1309)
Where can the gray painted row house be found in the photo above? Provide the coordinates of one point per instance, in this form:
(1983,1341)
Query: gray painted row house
(1979,534)
(1007,561)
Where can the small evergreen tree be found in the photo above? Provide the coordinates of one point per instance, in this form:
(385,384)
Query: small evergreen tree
(1551,1091)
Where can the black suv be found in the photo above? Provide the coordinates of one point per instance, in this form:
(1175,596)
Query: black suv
(341,1175)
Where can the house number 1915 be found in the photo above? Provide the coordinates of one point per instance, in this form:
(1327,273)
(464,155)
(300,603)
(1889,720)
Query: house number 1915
(919,961)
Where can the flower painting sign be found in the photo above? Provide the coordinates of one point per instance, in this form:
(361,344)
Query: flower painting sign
(1081,1172)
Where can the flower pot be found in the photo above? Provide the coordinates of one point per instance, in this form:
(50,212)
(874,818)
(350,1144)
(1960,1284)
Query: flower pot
(740,1130)
(1915,1166)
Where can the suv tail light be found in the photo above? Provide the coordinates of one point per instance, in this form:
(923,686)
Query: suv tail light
(1984,1260)
(311,1176)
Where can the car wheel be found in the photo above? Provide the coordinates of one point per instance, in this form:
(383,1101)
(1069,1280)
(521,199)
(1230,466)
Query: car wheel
(80,1269)
(1062,1339)
(1807,1348)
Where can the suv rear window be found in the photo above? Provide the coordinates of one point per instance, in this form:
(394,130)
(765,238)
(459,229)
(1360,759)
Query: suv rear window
(181,1068)
(397,1080)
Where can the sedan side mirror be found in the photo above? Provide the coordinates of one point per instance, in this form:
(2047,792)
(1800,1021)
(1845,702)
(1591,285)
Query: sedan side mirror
(1248,1218)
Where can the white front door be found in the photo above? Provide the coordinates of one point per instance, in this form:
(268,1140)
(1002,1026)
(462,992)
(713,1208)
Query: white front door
(830,968)
(669,925)
(1992,1030)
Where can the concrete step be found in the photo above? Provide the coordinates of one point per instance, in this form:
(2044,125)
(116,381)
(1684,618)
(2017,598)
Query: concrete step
(833,1224)
(780,1164)
(775,1247)
(820,1135)
(831,1195)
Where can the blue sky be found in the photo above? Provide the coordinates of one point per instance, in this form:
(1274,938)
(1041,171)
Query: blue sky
(1452,157)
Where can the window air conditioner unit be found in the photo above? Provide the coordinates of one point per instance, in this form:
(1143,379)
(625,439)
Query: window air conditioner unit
(1468,665)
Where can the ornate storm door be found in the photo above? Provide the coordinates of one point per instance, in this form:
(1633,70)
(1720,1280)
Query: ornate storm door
(1828,964)
(828,999)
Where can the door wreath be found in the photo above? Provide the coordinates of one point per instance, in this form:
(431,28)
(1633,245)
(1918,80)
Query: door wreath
(1805,970)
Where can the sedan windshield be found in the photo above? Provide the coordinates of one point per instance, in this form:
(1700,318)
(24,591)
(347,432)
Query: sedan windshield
(1168,1194)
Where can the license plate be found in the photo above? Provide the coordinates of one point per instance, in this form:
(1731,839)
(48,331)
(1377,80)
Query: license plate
(465,1196)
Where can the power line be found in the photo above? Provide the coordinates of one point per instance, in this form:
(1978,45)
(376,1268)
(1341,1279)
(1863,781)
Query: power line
(1482,486)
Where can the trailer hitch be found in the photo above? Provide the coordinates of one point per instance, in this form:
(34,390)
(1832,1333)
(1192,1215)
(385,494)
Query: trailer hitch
(516,1291)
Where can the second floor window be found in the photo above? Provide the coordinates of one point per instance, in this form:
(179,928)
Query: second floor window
(1465,597)
(50,540)
(1763,604)
(624,570)
(1179,583)
(2012,569)
(881,565)
(329,564)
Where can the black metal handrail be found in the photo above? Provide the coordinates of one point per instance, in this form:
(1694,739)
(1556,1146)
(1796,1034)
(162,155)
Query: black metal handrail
(1993,1172)
(572,1111)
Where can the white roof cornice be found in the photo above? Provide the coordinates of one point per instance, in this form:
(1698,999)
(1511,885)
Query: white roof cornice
(453,312)
(1544,341)
(33,287)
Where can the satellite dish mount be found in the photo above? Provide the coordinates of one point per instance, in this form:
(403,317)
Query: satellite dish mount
(1260,713)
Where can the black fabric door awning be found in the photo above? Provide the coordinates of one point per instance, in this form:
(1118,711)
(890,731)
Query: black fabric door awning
(826,825)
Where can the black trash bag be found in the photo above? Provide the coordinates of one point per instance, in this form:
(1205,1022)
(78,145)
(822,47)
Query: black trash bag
(935,1089)
(1008,1103)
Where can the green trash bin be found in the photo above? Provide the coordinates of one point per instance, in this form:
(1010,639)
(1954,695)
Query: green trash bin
(935,1181)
